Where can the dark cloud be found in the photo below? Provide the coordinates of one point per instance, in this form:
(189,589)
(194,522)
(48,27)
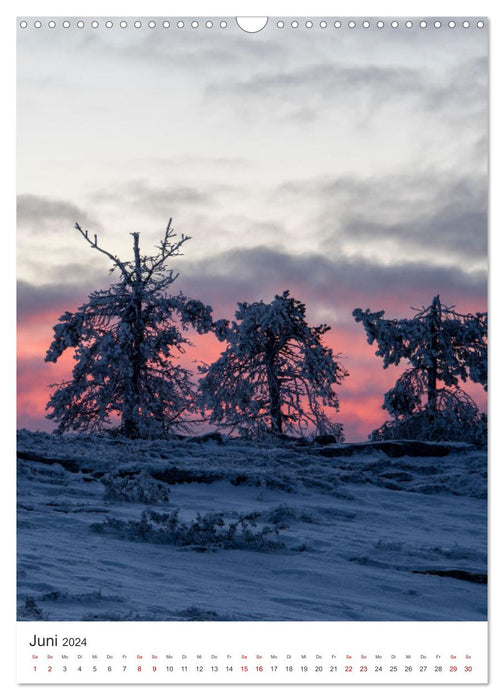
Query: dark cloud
(54,299)
(261,272)
(343,284)
(422,214)
(43,212)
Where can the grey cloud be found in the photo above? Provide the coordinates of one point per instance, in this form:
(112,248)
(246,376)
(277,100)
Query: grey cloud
(247,275)
(41,212)
(35,299)
(304,92)
(141,195)
(426,213)
(189,50)
(331,288)
(463,95)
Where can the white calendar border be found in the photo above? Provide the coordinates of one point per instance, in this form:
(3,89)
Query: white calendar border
(336,653)
(243,8)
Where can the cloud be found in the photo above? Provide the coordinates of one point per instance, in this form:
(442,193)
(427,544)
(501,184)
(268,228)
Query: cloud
(45,303)
(194,49)
(338,86)
(304,93)
(141,195)
(330,287)
(44,212)
(192,162)
(421,216)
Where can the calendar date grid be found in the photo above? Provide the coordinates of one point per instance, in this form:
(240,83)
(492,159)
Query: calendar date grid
(252,664)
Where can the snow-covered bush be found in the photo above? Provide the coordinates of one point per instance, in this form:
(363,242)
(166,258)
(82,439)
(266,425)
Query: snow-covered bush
(137,487)
(463,424)
(30,610)
(125,338)
(275,375)
(285,515)
(443,349)
(207,531)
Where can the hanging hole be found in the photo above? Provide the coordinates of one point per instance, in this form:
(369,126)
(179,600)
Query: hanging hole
(251,24)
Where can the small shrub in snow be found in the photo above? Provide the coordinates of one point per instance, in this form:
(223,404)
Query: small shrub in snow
(30,610)
(455,422)
(283,515)
(135,487)
(207,531)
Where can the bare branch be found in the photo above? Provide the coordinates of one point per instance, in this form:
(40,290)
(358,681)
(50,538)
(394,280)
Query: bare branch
(167,249)
(94,244)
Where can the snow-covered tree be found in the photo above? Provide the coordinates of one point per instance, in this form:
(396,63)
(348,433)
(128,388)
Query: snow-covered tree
(125,338)
(275,376)
(443,348)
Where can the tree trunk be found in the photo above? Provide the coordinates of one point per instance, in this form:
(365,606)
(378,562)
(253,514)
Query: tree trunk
(432,371)
(132,398)
(275,403)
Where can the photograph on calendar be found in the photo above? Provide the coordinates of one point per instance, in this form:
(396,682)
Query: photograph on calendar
(252,320)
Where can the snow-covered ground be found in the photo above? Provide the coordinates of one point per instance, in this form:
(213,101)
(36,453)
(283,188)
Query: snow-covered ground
(108,529)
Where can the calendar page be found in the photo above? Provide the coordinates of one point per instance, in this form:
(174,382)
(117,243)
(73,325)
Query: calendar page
(252,350)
